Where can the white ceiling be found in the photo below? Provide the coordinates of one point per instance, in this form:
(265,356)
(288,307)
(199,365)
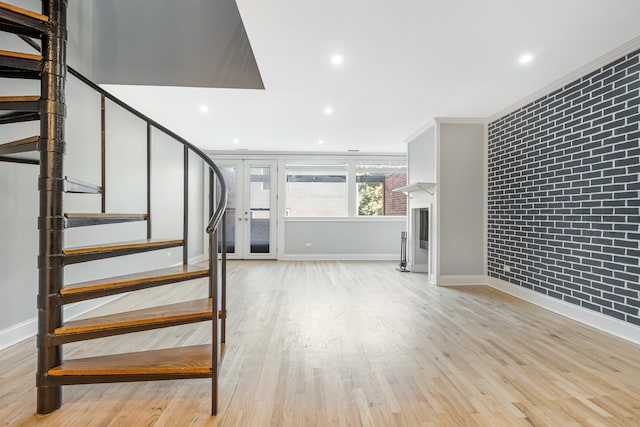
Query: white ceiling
(405,62)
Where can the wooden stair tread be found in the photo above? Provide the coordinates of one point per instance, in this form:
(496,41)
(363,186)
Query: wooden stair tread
(20,55)
(20,103)
(20,146)
(20,65)
(196,309)
(134,244)
(19,98)
(180,360)
(175,273)
(95,252)
(25,12)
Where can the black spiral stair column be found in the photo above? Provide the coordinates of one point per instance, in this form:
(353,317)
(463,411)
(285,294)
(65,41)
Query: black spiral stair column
(50,183)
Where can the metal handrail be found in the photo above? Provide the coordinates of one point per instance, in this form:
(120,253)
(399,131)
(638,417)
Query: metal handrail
(216,217)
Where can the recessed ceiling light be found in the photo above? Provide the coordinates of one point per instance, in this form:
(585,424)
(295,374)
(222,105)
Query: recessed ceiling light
(525,58)
(337,59)
(328,110)
(236,140)
(321,141)
(204,109)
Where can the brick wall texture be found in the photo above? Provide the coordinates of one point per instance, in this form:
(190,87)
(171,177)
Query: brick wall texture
(563,193)
(395,203)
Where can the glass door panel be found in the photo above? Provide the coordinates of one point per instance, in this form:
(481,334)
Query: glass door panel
(251,218)
(230,173)
(259,218)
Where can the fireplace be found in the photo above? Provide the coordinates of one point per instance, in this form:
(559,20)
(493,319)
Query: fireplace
(423,229)
(421,238)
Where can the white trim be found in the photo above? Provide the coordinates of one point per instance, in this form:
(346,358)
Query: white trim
(591,318)
(282,205)
(461,280)
(597,63)
(436,249)
(28,328)
(339,257)
(485,202)
(198,258)
(352,190)
(18,332)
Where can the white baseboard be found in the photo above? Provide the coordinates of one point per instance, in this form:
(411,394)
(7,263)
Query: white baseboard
(28,328)
(599,321)
(196,259)
(18,332)
(461,280)
(339,257)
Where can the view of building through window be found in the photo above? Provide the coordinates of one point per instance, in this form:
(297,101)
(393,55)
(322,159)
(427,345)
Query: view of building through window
(322,189)
(316,189)
(376,182)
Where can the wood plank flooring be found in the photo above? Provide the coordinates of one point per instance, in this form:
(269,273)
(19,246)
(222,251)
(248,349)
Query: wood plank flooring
(355,343)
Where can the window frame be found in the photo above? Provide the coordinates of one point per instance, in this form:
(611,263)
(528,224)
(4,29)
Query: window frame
(351,181)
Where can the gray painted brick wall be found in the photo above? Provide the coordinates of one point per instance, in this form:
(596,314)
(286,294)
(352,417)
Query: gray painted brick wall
(564,192)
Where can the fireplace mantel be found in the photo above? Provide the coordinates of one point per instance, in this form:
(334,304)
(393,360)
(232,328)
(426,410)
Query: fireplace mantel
(429,187)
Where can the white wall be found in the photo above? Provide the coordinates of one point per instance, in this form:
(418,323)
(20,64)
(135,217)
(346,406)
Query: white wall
(450,153)
(421,151)
(19,189)
(19,237)
(18,207)
(461,199)
(422,167)
(197,218)
(126,193)
(349,238)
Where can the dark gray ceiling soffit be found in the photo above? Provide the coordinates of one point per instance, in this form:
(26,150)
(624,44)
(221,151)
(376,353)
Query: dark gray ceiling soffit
(193,43)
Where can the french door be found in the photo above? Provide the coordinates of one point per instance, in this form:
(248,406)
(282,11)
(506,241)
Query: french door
(251,211)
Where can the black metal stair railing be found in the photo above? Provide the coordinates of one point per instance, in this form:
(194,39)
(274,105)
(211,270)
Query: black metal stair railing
(215,224)
(217,220)
(52,184)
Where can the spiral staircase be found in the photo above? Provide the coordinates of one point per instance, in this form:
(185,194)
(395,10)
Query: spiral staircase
(46,31)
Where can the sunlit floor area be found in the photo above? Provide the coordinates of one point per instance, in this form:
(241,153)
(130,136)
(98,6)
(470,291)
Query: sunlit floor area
(354,343)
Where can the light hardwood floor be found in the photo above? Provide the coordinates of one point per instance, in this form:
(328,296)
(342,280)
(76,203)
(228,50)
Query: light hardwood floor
(355,343)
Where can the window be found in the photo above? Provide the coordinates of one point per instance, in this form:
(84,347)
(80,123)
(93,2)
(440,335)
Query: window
(316,189)
(376,182)
(352,187)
